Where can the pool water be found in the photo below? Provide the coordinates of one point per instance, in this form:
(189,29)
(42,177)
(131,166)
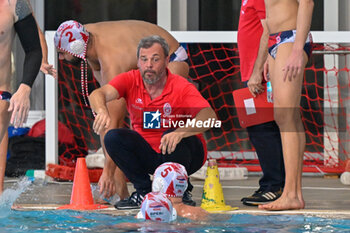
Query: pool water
(59,221)
(73,221)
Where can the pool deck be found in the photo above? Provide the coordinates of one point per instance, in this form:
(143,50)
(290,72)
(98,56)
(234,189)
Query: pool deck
(323,195)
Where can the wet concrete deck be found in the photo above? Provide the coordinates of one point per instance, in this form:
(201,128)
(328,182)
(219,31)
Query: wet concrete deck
(322,195)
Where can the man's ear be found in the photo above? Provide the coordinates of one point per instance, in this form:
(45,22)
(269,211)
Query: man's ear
(167,60)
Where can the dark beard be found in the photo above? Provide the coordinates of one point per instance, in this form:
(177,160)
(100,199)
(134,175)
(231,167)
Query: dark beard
(158,77)
(151,82)
(76,61)
(148,81)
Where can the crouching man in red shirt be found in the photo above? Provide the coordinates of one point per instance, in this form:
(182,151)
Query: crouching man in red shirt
(167,114)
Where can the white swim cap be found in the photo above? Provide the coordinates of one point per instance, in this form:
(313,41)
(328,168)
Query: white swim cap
(171,179)
(72,37)
(157,207)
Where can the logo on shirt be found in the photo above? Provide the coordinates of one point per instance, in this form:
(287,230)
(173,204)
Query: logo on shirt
(245,2)
(139,101)
(167,109)
(151,120)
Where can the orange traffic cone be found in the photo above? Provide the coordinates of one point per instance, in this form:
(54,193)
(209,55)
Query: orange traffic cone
(81,197)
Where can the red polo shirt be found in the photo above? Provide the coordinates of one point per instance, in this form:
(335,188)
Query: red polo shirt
(179,100)
(249,34)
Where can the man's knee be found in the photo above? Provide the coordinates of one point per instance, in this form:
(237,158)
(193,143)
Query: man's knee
(279,117)
(113,137)
(119,137)
(284,116)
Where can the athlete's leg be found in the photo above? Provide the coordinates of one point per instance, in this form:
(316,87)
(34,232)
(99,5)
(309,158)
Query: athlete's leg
(302,141)
(4,123)
(179,67)
(3,155)
(287,95)
(113,179)
(134,155)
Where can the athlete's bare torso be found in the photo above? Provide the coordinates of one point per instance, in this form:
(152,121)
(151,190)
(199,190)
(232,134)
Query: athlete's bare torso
(114,46)
(281,15)
(7,34)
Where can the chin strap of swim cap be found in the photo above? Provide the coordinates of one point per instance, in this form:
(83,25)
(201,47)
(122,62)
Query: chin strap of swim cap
(84,83)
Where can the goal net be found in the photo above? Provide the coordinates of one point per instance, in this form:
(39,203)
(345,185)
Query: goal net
(215,68)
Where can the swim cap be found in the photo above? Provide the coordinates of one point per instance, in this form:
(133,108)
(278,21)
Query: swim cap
(170,179)
(157,207)
(72,37)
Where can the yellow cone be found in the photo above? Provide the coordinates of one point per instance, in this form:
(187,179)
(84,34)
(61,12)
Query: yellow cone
(213,197)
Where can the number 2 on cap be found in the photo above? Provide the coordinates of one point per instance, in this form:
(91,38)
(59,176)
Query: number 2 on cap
(71,39)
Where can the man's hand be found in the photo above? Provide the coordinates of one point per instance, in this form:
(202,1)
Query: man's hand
(102,121)
(294,65)
(19,105)
(255,84)
(169,142)
(48,69)
(107,184)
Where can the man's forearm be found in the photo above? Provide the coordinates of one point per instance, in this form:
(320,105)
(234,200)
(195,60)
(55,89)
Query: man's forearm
(99,97)
(262,53)
(109,164)
(303,23)
(97,101)
(43,46)
(28,35)
(203,115)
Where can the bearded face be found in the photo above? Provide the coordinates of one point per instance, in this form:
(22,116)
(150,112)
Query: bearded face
(152,64)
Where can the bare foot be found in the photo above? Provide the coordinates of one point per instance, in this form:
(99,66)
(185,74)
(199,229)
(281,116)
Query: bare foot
(284,203)
(301,199)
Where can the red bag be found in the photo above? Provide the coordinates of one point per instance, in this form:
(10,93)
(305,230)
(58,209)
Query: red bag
(64,134)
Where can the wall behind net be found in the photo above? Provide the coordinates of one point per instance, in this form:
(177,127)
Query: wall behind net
(215,68)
